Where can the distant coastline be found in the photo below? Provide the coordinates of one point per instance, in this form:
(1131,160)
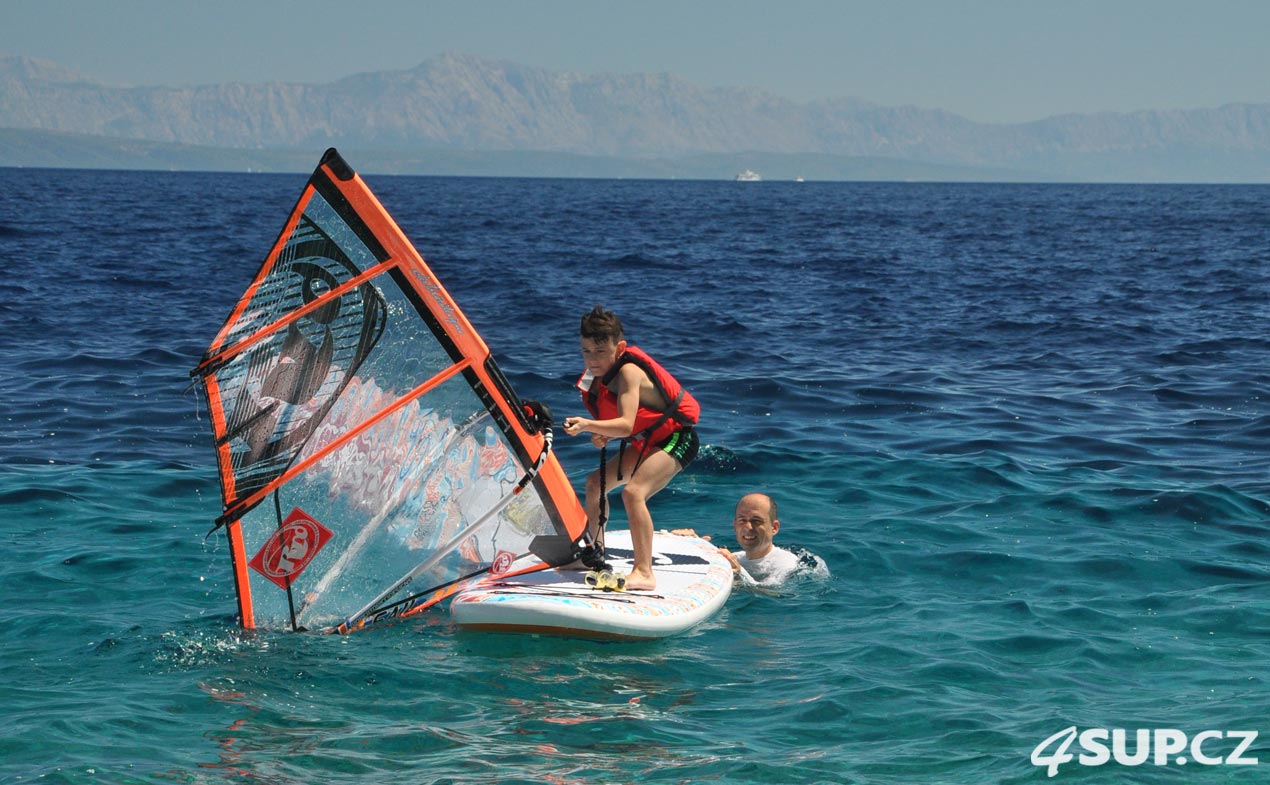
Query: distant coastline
(61,150)
(465,115)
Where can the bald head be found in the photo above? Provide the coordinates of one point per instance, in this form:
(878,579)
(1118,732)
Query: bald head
(762,500)
(755,524)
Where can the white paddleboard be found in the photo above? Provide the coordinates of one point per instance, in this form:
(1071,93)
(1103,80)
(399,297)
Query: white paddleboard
(693,582)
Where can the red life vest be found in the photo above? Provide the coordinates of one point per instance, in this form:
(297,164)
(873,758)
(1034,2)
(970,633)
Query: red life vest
(682,411)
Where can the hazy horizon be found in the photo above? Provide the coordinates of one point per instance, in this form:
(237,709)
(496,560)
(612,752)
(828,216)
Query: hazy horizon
(987,60)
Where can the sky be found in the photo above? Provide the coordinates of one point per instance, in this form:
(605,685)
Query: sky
(988,60)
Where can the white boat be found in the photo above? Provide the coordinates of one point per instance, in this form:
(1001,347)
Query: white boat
(749,176)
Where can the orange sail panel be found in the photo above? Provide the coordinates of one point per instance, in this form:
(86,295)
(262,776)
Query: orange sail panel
(368,445)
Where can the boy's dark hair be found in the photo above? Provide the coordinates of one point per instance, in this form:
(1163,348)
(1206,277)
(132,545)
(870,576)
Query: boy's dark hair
(600,325)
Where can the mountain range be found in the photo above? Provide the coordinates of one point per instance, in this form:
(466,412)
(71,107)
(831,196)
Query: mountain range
(460,114)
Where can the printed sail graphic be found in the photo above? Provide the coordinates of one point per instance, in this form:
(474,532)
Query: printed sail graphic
(371,453)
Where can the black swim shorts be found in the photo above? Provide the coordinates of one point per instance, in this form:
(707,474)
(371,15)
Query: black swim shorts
(682,446)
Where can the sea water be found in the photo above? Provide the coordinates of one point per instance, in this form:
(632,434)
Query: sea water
(1025,426)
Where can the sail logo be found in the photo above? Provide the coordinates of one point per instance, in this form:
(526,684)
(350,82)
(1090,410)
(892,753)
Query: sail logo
(290,548)
(438,296)
(502,563)
(1156,745)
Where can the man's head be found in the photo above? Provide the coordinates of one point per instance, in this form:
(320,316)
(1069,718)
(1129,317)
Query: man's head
(602,340)
(755,524)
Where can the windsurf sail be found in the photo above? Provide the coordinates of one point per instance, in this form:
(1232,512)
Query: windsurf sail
(372,455)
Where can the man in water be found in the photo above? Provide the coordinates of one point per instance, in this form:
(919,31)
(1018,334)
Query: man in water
(632,398)
(756,524)
(760,560)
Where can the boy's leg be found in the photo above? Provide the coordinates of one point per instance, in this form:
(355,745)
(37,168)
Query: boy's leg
(592,507)
(654,473)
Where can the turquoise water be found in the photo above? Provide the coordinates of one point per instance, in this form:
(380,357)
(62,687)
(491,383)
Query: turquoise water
(1023,425)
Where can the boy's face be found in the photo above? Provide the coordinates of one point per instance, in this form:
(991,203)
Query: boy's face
(599,355)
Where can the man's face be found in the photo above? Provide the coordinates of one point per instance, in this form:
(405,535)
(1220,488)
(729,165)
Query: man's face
(754,526)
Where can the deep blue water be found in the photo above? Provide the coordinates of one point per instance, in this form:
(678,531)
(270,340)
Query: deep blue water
(1024,425)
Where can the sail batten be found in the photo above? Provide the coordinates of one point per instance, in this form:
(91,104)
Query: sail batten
(352,433)
(349,389)
(212,362)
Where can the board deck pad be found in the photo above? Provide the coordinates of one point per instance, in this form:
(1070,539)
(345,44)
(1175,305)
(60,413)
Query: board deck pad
(693,582)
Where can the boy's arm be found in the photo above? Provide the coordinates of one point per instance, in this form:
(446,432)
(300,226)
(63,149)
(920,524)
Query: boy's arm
(622,426)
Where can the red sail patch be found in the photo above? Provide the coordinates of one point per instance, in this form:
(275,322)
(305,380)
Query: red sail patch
(290,548)
(502,563)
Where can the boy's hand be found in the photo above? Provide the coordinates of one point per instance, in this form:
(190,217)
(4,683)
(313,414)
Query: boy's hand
(574,425)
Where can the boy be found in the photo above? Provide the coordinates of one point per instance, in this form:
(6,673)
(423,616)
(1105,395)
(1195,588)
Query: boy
(631,398)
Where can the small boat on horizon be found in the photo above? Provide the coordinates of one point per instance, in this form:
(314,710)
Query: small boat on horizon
(749,176)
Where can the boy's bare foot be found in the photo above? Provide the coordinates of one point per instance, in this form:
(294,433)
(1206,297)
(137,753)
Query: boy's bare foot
(639,581)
